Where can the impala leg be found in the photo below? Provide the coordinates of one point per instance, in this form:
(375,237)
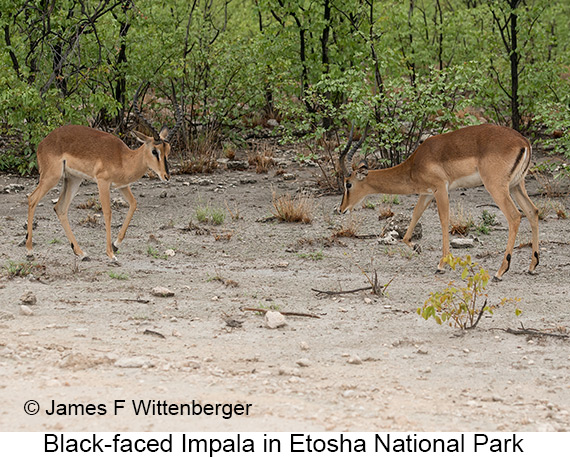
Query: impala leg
(505,203)
(531,213)
(47,182)
(442,200)
(421,205)
(130,198)
(70,187)
(105,199)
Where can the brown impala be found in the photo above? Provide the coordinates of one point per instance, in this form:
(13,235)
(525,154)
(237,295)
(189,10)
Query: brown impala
(77,153)
(490,155)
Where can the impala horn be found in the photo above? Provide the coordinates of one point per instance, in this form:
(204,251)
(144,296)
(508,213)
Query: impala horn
(143,119)
(346,155)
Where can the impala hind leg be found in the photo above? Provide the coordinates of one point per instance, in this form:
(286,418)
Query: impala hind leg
(47,182)
(505,203)
(105,199)
(68,191)
(421,205)
(130,198)
(531,212)
(442,200)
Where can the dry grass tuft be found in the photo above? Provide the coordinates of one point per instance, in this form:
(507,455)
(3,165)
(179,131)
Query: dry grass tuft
(91,203)
(293,209)
(385,211)
(91,220)
(204,155)
(460,221)
(262,158)
(348,229)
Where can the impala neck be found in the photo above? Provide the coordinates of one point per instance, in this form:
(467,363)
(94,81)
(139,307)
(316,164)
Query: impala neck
(395,180)
(137,163)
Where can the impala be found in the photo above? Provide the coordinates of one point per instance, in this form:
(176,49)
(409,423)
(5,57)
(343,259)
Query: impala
(490,155)
(76,152)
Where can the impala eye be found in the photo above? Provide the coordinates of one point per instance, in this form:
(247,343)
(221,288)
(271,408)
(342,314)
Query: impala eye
(348,185)
(156,154)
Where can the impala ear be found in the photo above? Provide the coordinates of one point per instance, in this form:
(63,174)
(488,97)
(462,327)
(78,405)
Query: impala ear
(362,170)
(163,132)
(141,136)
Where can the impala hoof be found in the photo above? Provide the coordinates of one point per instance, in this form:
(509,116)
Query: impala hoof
(113,261)
(497,279)
(29,255)
(417,249)
(115,247)
(85,258)
(439,271)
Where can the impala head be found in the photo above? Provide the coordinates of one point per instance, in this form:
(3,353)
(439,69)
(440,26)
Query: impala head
(156,152)
(157,147)
(354,182)
(355,188)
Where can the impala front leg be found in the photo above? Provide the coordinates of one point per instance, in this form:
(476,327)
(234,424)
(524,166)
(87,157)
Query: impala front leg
(130,198)
(442,200)
(105,199)
(421,205)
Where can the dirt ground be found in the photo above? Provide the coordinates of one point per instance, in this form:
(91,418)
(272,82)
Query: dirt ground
(368,363)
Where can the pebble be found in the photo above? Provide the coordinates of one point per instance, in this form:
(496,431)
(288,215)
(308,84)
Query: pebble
(28,298)
(355,360)
(26,310)
(304,346)
(162,292)
(288,371)
(303,362)
(274,319)
(133,362)
(461,243)
(170,252)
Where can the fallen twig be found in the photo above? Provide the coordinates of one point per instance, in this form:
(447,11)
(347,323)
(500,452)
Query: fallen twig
(153,333)
(534,332)
(285,313)
(341,292)
(136,300)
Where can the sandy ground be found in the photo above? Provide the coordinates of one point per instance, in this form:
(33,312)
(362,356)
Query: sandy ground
(97,335)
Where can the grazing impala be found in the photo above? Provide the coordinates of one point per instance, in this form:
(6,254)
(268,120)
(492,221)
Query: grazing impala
(77,152)
(490,155)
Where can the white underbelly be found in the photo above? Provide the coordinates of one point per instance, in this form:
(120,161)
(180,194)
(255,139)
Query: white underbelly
(472,180)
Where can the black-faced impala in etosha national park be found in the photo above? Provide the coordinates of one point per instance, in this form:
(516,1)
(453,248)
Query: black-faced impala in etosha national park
(490,155)
(76,152)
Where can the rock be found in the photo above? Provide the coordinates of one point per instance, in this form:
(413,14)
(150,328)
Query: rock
(303,362)
(304,346)
(288,176)
(26,310)
(355,360)
(170,253)
(163,194)
(28,298)
(162,292)
(390,238)
(288,371)
(237,165)
(399,223)
(13,188)
(274,319)
(134,362)
(272,122)
(461,243)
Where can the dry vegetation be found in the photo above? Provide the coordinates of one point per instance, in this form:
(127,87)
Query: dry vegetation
(293,209)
